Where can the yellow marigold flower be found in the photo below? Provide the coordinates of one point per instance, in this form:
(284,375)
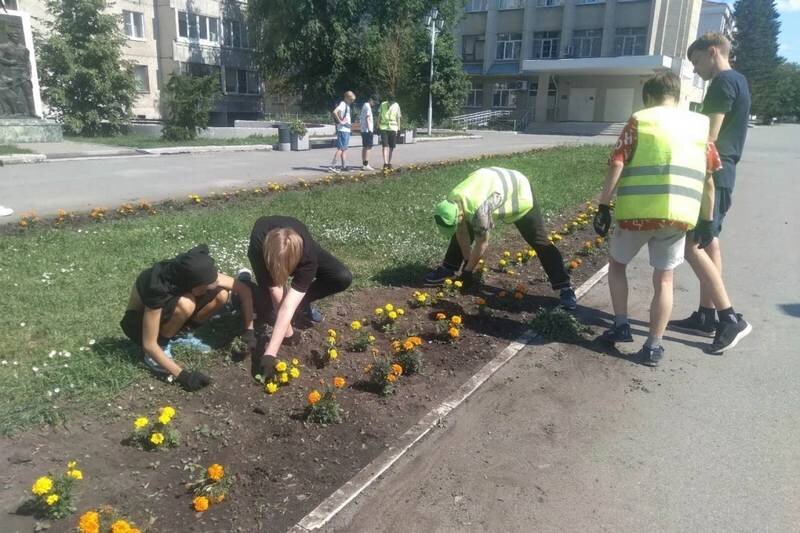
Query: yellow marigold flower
(169,411)
(371,338)
(506,254)
(441,316)
(531,253)
(368,369)
(455,319)
(503,263)
(379,311)
(355,325)
(448,282)
(164,419)
(200,504)
(392,315)
(440,294)
(296,362)
(72,464)
(453,332)
(42,486)
(331,340)
(271,387)
(313,397)
(280,366)
(52,499)
(422,297)
(401,311)
(294,372)
(283,377)
(333,354)
(388,307)
(139,423)
(89,522)
(391,378)
(338,382)
(75,474)
(408,345)
(120,526)
(397,370)
(331,333)
(215,472)
(157,438)
(458,284)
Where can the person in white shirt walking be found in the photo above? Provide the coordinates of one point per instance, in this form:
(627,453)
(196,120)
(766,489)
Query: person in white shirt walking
(343,119)
(367,124)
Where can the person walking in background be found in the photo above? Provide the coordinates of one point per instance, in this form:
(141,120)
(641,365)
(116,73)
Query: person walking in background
(367,124)
(390,126)
(343,119)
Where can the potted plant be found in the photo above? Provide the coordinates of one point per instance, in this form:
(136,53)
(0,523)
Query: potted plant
(407,131)
(299,134)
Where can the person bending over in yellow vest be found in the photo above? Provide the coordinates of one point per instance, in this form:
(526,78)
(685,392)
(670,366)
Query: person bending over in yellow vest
(474,206)
(661,170)
(390,116)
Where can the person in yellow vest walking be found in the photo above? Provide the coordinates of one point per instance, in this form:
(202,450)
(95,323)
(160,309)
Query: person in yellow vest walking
(390,116)
(471,210)
(662,171)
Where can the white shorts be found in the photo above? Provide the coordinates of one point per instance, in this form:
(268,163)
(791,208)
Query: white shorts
(665,246)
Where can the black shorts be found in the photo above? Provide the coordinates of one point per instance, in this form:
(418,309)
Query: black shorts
(389,138)
(367,140)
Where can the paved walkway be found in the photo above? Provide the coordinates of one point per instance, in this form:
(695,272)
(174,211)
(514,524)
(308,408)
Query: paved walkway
(109,182)
(567,439)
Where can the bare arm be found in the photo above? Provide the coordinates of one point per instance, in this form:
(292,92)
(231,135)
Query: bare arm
(150,326)
(612,179)
(478,249)
(245,297)
(283,322)
(715,124)
(707,201)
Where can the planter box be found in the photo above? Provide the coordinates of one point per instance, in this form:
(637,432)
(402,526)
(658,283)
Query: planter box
(300,144)
(407,137)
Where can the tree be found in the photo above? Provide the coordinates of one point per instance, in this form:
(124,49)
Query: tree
(84,78)
(755,52)
(190,100)
(321,48)
(788,90)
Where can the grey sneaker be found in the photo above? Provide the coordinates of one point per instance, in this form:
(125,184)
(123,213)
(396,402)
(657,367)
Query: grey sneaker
(616,334)
(694,325)
(651,356)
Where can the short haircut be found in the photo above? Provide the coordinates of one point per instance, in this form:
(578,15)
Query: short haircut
(350,94)
(283,248)
(709,39)
(662,86)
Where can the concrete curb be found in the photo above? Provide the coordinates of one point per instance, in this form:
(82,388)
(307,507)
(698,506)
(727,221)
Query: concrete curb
(448,138)
(345,494)
(203,149)
(21,159)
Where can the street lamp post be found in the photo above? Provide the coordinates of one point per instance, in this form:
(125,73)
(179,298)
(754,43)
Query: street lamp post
(434,24)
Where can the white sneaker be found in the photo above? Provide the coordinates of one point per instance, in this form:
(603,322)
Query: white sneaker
(5,211)
(367,168)
(334,169)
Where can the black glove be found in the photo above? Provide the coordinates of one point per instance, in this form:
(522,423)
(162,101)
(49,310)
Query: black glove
(264,366)
(192,380)
(469,279)
(249,338)
(602,220)
(703,233)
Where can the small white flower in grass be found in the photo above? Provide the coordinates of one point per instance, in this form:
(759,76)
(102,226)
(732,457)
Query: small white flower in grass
(22,324)
(91,342)
(67,354)
(56,390)
(66,365)
(52,353)
(35,369)
(15,363)
(49,394)
(3,362)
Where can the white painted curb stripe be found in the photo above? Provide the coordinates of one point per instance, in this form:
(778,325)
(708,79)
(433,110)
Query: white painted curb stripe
(334,503)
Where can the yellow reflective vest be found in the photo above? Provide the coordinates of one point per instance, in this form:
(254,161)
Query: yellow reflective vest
(666,175)
(512,186)
(389,114)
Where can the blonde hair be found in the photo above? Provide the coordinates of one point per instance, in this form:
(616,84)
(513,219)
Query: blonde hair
(283,248)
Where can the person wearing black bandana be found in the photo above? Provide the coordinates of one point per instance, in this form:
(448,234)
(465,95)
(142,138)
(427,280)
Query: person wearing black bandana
(184,291)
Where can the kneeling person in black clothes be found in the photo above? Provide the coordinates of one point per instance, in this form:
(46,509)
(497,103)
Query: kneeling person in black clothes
(184,291)
(281,247)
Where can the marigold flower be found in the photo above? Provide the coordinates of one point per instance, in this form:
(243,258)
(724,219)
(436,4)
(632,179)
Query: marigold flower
(331,333)
(42,486)
(422,297)
(392,315)
(416,341)
(294,372)
(506,254)
(283,377)
(121,526)
(271,387)
(331,340)
(408,345)
(72,464)
(355,325)
(455,319)
(219,499)
(333,354)
(313,397)
(441,316)
(52,499)
(200,504)
(396,346)
(139,423)
(400,311)
(75,474)
(448,282)
(397,370)
(458,284)
(453,332)
(503,263)
(215,472)
(157,438)
(168,411)
(379,311)
(440,294)
(368,369)
(391,378)
(388,307)
(296,362)
(89,522)
(531,253)
(371,338)
(338,382)
(164,419)
(280,366)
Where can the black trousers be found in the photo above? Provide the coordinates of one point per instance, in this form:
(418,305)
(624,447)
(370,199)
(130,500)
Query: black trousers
(532,229)
(332,277)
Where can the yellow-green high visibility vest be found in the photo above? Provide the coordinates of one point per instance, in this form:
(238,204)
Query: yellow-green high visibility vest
(389,116)
(664,180)
(512,186)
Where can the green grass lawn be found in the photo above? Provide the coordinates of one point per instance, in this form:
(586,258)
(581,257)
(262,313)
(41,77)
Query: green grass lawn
(143,141)
(9,149)
(66,289)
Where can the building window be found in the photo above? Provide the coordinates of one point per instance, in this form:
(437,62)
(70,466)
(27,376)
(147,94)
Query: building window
(194,26)
(134,24)
(475,6)
(240,81)
(589,2)
(548,3)
(142,81)
(545,44)
(630,41)
(586,43)
(509,45)
(472,47)
(510,4)
(504,94)
(235,34)
(475,94)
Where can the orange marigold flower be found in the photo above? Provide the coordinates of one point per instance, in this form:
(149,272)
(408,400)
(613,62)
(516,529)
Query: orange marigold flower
(408,345)
(200,504)
(441,316)
(455,319)
(219,499)
(120,526)
(89,522)
(416,340)
(453,332)
(397,369)
(338,382)
(396,346)
(391,378)
(215,472)
(313,397)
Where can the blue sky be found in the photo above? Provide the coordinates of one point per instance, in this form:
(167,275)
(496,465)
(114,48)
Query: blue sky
(789,38)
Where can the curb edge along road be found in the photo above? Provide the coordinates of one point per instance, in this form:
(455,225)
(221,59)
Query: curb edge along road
(21,159)
(345,494)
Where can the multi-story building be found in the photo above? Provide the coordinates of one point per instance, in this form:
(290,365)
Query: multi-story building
(184,36)
(716,17)
(574,60)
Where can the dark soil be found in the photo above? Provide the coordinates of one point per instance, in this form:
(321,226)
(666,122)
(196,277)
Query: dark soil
(283,465)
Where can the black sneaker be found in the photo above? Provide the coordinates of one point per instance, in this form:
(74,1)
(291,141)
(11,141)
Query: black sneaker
(729,334)
(694,325)
(651,356)
(568,299)
(616,334)
(438,275)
